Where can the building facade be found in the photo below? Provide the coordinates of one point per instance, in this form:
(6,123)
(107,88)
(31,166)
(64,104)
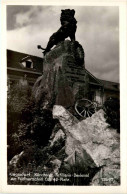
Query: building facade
(25,69)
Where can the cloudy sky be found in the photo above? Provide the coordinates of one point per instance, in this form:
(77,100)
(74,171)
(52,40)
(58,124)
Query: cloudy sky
(97,31)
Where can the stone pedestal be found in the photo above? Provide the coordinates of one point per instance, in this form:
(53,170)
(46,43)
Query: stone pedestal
(64,78)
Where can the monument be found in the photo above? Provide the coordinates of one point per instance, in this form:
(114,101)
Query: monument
(64,79)
(59,148)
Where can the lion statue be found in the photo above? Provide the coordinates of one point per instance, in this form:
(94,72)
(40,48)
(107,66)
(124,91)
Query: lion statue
(67,29)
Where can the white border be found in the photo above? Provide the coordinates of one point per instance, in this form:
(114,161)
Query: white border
(123,95)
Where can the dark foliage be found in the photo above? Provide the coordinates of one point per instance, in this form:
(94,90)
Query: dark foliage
(18,98)
(28,123)
(112,109)
(37,124)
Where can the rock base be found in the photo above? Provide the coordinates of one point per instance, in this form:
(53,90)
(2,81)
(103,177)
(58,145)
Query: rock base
(64,79)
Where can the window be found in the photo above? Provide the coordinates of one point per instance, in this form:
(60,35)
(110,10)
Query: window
(28,64)
(92,95)
(116,86)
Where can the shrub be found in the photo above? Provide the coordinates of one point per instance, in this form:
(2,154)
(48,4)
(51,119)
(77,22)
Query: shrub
(18,97)
(28,123)
(37,127)
(112,109)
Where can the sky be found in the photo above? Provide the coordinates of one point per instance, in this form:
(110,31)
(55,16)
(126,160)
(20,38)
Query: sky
(97,31)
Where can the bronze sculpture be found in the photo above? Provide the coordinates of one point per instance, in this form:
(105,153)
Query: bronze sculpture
(67,29)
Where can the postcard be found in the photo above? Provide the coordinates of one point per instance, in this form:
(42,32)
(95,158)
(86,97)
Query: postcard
(63,97)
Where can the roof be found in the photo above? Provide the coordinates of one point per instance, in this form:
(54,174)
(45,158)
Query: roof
(15,58)
(93,79)
(108,85)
